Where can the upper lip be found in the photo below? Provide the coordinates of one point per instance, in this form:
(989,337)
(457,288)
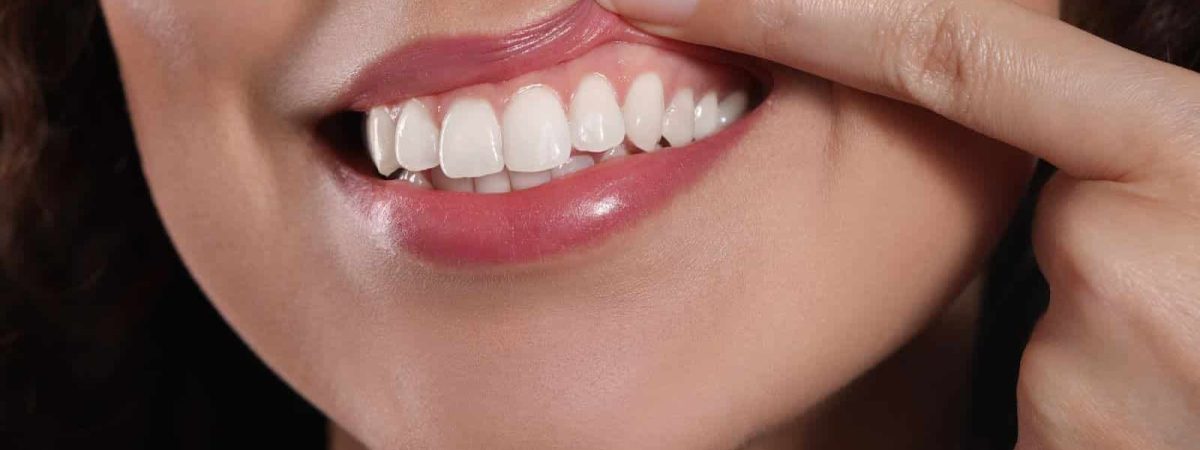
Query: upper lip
(439,65)
(525,225)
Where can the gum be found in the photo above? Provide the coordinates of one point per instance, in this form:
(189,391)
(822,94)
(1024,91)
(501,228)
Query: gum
(619,62)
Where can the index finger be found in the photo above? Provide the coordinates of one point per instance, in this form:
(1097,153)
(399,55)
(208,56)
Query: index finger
(1095,110)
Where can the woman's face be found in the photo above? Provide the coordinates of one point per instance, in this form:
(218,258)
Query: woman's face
(682,299)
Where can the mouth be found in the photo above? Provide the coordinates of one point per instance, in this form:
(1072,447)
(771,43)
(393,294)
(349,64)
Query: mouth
(504,150)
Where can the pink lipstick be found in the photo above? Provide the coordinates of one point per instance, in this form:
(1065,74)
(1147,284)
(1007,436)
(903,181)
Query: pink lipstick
(569,213)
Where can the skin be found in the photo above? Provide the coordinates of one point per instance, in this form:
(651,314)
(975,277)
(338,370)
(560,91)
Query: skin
(1113,364)
(770,306)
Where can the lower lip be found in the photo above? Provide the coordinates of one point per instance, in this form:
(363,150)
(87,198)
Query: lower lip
(565,215)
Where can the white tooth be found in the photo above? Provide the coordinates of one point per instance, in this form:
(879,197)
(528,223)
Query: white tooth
(445,183)
(416,138)
(644,111)
(496,183)
(615,152)
(679,122)
(528,180)
(575,164)
(536,134)
(417,179)
(707,116)
(596,122)
(381,133)
(470,144)
(733,107)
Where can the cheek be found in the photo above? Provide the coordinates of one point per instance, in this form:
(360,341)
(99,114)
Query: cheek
(219,37)
(854,219)
(1046,7)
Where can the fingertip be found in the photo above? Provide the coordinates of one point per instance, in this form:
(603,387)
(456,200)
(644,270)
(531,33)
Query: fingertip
(654,12)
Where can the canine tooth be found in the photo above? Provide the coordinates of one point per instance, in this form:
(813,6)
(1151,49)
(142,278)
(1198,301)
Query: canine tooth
(596,122)
(381,131)
(444,183)
(416,138)
(733,107)
(536,134)
(707,116)
(528,180)
(615,152)
(575,164)
(417,179)
(470,145)
(679,121)
(496,183)
(644,106)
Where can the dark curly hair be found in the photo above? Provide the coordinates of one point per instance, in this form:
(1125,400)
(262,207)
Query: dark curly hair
(105,341)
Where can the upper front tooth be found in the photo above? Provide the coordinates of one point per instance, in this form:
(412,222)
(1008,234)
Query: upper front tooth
(416,138)
(536,134)
(707,116)
(644,111)
(679,121)
(596,122)
(733,107)
(381,133)
(471,145)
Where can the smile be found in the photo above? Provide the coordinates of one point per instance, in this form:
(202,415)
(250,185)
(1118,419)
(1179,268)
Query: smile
(484,150)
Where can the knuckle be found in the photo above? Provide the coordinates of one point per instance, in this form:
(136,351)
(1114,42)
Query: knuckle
(936,54)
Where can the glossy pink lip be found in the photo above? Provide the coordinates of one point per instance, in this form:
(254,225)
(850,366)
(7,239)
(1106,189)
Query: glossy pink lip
(462,229)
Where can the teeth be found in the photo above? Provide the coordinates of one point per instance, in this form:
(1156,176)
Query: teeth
(575,164)
(528,180)
(536,134)
(644,111)
(470,144)
(416,138)
(496,183)
(732,108)
(707,116)
(596,122)
(444,183)
(615,152)
(679,122)
(381,133)
(417,179)
(532,141)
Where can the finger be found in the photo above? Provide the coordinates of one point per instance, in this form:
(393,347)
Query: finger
(1091,108)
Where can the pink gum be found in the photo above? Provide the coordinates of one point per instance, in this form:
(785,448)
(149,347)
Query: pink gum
(620,63)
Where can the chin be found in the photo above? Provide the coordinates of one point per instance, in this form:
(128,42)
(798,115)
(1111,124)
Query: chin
(525,224)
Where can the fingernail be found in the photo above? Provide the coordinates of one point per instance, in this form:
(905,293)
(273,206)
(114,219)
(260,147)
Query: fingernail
(664,12)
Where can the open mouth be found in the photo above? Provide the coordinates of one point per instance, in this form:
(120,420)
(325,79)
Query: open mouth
(511,149)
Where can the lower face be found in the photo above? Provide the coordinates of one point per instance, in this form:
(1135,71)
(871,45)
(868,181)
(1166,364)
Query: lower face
(690,294)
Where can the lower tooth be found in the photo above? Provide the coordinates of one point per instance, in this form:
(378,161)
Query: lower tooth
(575,164)
(496,183)
(528,180)
(615,152)
(444,183)
(417,179)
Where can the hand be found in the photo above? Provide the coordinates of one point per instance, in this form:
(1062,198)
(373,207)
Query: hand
(1115,362)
